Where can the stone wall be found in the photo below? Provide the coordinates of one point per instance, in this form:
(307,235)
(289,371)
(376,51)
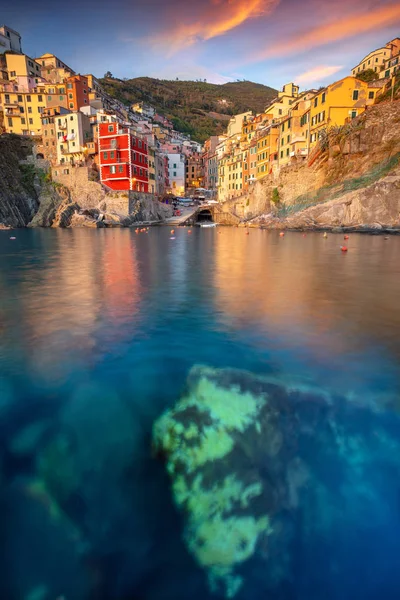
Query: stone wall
(84,191)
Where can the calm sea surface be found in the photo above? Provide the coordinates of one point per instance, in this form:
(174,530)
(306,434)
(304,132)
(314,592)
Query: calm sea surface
(98,330)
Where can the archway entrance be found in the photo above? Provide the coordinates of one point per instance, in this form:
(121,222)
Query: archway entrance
(204,216)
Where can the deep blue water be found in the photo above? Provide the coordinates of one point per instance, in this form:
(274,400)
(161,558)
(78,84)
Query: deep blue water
(98,332)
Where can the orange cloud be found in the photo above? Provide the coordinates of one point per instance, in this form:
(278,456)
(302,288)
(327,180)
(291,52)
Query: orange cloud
(317,74)
(216,18)
(348,26)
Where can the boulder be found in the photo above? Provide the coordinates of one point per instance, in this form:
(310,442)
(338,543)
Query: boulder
(261,468)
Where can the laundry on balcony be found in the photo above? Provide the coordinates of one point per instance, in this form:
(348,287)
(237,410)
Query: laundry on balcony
(71,136)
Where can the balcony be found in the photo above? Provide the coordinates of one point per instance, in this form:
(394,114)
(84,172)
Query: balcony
(13,113)
(63,126)
(14,103)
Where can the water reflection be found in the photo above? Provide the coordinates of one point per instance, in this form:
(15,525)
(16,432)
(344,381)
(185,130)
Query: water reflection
(98,332)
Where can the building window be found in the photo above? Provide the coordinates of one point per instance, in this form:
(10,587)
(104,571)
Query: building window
(315,102)
(105,155)
(49,98)
(112,154)
(280,111)
(281,153)
(288,139)
(353,114)
(30,121)
(40,98)
(66,171)
(371,95)
(111,128)
(21,109)
(71,105)
(10,123)
(69,86)
(28,99)
(30,110)
(23,121)
(112,170)
(287,152)
(70,96)
(174,173)
(121,168)
(13,74)
(355,94)
(19,98)
(323,97)
(61,98)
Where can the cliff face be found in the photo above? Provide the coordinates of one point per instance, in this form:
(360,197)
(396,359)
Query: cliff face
(19,184)
(354,182)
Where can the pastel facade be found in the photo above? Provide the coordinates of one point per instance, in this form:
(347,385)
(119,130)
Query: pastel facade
(23,112)
(339,102)
(9,40)
(73,132)
(177,173)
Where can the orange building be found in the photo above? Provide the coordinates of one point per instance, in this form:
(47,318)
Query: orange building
(77,91)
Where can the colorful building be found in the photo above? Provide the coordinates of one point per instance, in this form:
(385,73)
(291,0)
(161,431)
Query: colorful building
(194,171)
(123,158)
(77,91)
(294,131)
(53,69)
(176,173)
(21,65)
(280,107)
(210,162)
(49,133)
(73,132)
(338,103)
(23,112)
(9,40)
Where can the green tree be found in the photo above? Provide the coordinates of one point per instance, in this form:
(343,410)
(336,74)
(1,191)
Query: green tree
(275,196)
(368,75)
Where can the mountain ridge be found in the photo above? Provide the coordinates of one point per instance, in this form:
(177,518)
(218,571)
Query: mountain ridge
(198,108)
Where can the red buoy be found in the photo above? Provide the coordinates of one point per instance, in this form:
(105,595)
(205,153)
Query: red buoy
(346,237)
(343,248)
(282,234)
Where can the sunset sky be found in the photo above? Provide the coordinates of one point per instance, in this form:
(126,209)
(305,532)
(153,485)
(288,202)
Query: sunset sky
(311,42)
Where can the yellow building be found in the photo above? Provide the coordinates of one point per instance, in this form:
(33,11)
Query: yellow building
(280,107)
(375,60)
(23,112)
(294,130)
(267,148)
(338,103)
(21,65)
(53,69)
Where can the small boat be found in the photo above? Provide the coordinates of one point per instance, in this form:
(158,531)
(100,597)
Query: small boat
(208,224)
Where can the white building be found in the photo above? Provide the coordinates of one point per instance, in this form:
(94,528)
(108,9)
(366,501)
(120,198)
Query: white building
(176,173)
(9,40)
(73,132)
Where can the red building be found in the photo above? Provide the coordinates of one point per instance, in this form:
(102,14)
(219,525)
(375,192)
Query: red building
(123,158)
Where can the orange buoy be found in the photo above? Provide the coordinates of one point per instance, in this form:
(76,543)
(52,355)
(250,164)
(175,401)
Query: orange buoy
(282,234)
(343,248)
(247,233)
(304,234)
(346,237)
(172,231)
(190,231)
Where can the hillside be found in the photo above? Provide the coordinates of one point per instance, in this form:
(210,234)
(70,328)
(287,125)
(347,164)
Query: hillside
(198,108)
(353,182)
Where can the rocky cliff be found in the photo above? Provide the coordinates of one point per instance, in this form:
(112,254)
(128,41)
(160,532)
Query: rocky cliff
(352,182)
(29,196)
(19,183)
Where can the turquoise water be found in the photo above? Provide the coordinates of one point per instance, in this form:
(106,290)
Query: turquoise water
(98,332)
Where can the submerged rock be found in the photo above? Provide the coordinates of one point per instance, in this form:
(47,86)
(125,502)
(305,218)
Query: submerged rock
(257,464)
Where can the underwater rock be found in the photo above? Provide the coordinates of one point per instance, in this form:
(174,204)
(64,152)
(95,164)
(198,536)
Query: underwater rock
(256,463)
